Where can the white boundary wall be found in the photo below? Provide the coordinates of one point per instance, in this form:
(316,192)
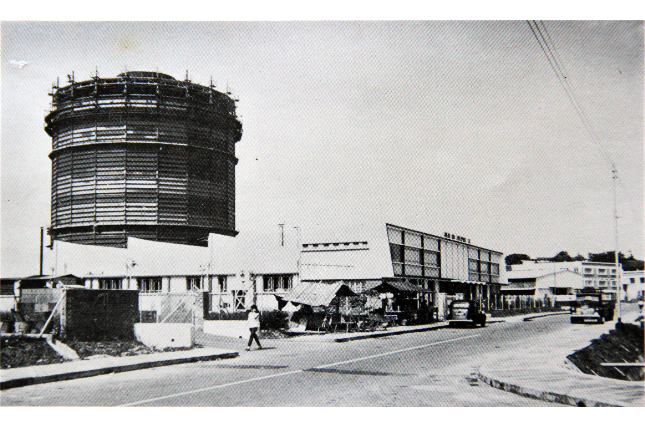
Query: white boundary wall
(165,335)
(230,328)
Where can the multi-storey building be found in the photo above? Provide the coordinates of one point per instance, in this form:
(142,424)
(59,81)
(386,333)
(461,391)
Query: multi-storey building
(367,255)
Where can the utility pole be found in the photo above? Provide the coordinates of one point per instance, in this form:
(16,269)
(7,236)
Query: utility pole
(42,244)
(281,234)
(614,177)
(299,250)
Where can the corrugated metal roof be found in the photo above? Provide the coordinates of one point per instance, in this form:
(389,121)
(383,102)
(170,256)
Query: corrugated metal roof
(535,272)
(316,293)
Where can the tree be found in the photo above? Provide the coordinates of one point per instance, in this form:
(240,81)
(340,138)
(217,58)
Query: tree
(605,257)
(629,263)
(516,259)
(579,258)
(562,256)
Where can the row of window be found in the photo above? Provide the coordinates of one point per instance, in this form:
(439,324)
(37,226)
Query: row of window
(409,269)
(412,239)
(601,272)
(600,283)
(408,254)
(483,267)
(412,261)
(277,283)
(195,283)
(633,280)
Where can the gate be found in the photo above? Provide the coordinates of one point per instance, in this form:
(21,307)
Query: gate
(170,308)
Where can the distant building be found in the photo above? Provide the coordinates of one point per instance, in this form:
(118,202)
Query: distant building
(603,276)
(543,282)
(633,284)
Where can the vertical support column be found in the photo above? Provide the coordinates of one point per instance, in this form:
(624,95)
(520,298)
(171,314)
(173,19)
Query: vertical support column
(63,315)
(198,311)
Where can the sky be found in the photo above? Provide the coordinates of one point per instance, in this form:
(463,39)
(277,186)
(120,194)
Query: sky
(438,126)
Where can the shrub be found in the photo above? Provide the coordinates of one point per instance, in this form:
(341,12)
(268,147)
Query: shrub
(226,316)
(6,317)
(274,320)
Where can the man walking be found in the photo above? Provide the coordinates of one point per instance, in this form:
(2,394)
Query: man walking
(253,322)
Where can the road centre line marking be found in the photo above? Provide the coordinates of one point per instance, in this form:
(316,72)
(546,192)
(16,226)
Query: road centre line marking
(185,393)
(261,378)
(392,352)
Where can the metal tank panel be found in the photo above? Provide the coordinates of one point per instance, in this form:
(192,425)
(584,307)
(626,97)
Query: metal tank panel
(142,155)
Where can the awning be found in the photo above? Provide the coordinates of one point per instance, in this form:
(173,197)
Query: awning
(399,286)
(316,293)
(456,281)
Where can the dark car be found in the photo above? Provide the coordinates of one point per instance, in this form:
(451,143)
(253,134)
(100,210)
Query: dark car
(466,312)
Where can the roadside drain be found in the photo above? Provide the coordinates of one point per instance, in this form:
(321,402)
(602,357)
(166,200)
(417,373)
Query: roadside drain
(354,372)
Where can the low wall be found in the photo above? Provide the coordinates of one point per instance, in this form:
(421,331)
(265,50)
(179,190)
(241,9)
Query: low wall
(165,335)
(230,328)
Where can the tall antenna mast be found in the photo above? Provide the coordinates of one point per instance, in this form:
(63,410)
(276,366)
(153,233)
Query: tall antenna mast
(616,259)
(281,234)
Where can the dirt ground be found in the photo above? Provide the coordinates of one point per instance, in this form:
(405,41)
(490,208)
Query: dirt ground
(21,352)
(621,345)
(109,348)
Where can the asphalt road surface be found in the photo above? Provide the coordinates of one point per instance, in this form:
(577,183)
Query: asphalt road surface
(434,368)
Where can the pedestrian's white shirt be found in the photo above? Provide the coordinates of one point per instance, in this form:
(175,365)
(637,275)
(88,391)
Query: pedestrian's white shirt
(254,320)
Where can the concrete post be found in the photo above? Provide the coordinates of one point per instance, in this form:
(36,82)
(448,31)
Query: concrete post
(198,311)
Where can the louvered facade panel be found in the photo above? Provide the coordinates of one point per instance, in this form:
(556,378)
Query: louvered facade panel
(142,155)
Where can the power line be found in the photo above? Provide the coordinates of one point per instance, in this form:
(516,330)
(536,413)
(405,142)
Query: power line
(548,48)
(556,64)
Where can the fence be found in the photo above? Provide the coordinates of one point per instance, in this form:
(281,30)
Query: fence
(499,302)
(172,308)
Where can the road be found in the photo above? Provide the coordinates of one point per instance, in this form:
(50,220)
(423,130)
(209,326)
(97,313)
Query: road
(432,368)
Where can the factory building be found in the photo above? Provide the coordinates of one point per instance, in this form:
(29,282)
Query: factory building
(142,155)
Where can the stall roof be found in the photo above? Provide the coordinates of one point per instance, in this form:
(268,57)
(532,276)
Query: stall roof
(316,293)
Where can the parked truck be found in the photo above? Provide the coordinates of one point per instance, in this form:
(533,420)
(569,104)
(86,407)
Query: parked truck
(593,306)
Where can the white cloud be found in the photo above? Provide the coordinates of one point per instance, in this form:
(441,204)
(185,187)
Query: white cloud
(17,64)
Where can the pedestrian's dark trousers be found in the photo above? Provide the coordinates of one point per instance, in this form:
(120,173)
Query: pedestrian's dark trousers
(254,335)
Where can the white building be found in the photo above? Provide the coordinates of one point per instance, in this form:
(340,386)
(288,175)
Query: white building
(633,284)
(230,269)
(544,282)
(602,276)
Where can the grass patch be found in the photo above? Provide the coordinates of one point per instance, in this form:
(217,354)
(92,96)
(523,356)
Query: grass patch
(624,344)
